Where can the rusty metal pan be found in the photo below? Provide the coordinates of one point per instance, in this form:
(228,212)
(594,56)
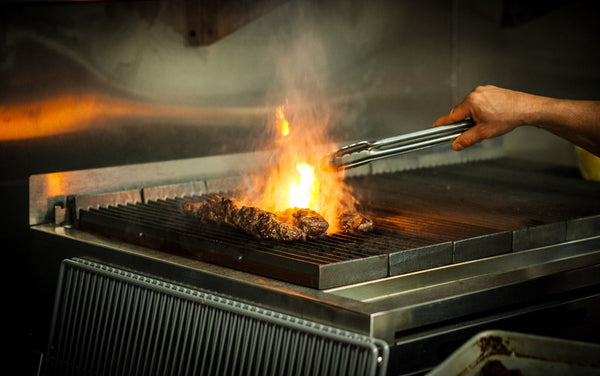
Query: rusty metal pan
(530,355)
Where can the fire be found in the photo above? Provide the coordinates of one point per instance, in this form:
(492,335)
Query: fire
(295,179)
(303,191)
(285,126)
(303,188)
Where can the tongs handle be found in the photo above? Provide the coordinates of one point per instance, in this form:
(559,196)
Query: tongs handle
(365,152)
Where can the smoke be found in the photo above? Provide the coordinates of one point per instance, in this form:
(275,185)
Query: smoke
(301,94)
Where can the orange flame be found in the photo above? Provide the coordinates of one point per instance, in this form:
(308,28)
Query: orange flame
(294,181)
(303,191)
(285,126)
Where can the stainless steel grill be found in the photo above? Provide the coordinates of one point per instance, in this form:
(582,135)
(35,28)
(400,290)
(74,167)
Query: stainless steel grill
(108,321)
(423,219)
(457,249)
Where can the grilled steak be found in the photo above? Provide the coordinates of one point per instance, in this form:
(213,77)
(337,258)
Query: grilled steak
(293,224)
(307,220)
(350,221)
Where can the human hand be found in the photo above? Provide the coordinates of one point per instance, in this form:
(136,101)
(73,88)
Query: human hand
(494,110)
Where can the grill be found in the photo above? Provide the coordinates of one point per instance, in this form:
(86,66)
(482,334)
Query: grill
(456,249)
(423,219)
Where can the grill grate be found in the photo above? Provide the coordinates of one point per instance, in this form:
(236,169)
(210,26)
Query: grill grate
(423,219)
(161,224)
(109,321)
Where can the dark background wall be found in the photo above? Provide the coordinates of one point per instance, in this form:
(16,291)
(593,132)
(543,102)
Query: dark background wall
(110,83)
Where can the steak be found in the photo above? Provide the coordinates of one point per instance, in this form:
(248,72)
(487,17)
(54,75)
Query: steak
(350,221)
(292,224)
(307,220)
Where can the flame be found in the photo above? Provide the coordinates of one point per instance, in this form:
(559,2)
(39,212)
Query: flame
(285,125)
(303,191)
(293,180)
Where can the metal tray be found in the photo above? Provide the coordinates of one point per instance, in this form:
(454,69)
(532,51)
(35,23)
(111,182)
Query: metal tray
(532,355)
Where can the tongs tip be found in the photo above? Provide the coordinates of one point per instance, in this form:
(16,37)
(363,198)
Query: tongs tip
(334,161)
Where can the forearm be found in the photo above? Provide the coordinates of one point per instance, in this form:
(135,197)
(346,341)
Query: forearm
(575,121)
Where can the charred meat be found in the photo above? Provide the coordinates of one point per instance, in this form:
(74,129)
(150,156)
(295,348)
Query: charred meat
(350,221)
(252,220)
(293,224)
(307,220)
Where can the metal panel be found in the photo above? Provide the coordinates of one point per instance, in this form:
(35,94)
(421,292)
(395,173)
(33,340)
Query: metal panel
(384,308)
(111,321)
(163,192)
(46,190)
(482,246)
(85,202)
(539,236)
(586,227)
(420,258)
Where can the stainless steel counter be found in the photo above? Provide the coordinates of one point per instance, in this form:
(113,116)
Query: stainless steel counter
(384,308)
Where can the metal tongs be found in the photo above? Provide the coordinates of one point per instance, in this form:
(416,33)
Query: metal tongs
(364,152)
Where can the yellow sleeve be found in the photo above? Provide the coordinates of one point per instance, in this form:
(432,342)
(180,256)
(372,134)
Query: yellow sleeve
(589,164)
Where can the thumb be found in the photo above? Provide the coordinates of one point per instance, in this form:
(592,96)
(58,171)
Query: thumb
(468,138)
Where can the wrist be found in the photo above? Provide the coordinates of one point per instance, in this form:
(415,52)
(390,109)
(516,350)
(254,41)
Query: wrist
(536,110)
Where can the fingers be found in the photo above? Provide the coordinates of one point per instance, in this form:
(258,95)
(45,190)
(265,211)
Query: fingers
(469,137)
(458,112)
